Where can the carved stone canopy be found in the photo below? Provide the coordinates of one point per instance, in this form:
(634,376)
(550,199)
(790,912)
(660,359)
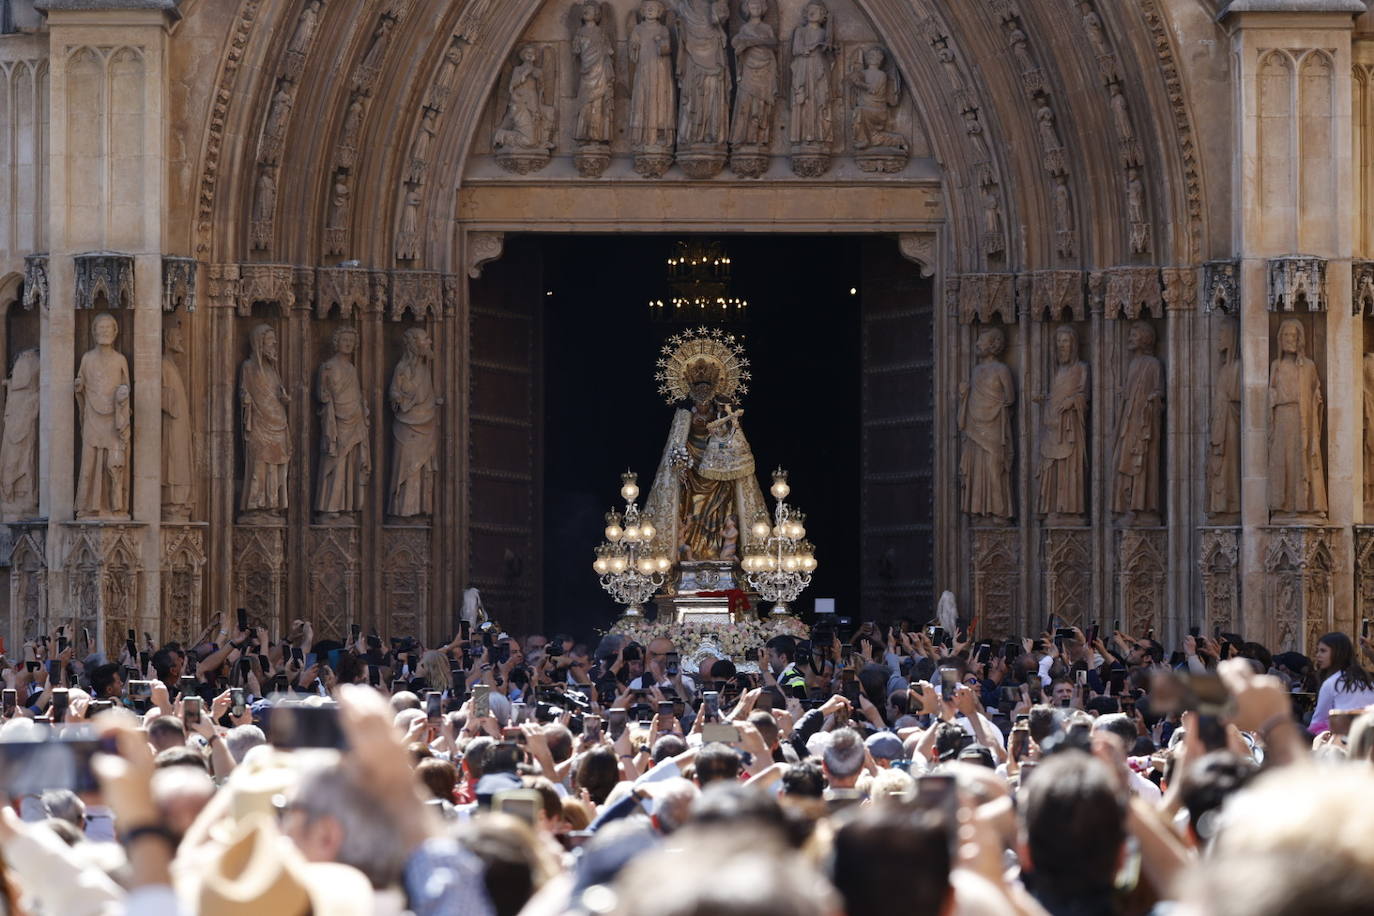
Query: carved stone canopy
(36,281)
(983,295)
(1221,286)
(1362,288)
(418,292)
(1297,279)
(1133,291)
(104,273)
(178,283)
(1053,293)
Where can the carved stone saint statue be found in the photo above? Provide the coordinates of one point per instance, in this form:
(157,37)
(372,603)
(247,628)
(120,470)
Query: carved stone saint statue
(305,28)
(756,56)
(266,435)
(595,53)
(415,433)
(106,410)
(1223,460)
(813,57)
(985,407)
(703,72)
(1064,439)
(19,445)
(653,94)
(345,460)
(176,432)
(528,125)
(1368,428)
(877,93)
(1297,475)
(1139,433)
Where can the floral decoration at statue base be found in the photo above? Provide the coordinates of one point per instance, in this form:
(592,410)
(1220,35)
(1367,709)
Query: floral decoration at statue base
(695,641)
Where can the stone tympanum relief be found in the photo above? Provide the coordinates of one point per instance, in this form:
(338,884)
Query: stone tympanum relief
(813,60)
(703,124)
(266,436)
(985,414)
(877,89)
(19,442)
(1368,428)
(415,432)
(653,95)
(345,459)
(526,135)
(1223,458)
(756,96)
(105,406)
(1297,474)
(177,466)
(1062,472)
(1136,492)
(593,47)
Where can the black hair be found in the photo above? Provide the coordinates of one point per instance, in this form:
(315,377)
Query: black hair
(1075,825)
(1345,662)
(784,645)
(803,780)
(886,854)
(1213,779)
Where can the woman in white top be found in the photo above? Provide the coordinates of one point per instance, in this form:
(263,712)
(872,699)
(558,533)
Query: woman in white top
(1344,684)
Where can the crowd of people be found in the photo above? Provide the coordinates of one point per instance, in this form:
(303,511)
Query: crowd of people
(867,767)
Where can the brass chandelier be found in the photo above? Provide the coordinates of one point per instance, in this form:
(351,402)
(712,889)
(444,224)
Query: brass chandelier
(698,285)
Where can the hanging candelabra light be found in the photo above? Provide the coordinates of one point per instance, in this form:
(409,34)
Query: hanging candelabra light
(779,562)
(698,280)
(630,571)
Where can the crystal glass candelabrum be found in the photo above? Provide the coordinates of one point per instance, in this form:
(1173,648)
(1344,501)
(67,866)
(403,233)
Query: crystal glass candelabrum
(629,568)
(779,561)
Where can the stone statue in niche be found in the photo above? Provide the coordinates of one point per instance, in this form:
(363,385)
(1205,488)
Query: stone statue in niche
(263,417)
(376,52)
(1065,236)
(19,443)
(703,124)
(593,47)
(419,155)
(305,28)
(1064,440)
(525,138)
(756,97)
(415,433)
(177,465)
(345,459)
(1223,460)
(877,90)
(353,122)
(1135,493)
(1297,475)
(1135,212)
(408,236)
(106,409)
(985,409)
(1368,428)
(813,60)
(993,235)
(279,111)
(264,208)
(653,95)
(338,207)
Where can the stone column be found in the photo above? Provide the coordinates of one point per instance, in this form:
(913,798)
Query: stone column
(1293,111)
(106,193)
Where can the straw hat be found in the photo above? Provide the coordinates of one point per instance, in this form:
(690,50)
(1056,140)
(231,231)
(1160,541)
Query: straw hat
(259,873)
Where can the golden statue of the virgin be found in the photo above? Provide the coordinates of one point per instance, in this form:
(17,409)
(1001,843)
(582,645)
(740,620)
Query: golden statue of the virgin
(705,495)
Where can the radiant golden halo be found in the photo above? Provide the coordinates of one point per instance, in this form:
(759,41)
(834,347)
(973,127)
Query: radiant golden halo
(705,354)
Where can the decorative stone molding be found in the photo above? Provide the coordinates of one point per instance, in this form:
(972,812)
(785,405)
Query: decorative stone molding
(1362,288)
(1056,292)
(36,281)
(1068,574)
(1298,563)
(1180,289)
(218,122)
(349,288)
(406,572)
(1221,578)
(332,585)
(982,296)
(965,96)
(265,283)
(104,579)
(28,561)
(259,563)
(104,273)
(921,248)
(1221,286)
(1142,577)
(182,578)
(1297,279)
(1161,31)
(178,284)
(1131,292)
(1364,572)
(483,248)
(997,580)
(420,293)
(223,285)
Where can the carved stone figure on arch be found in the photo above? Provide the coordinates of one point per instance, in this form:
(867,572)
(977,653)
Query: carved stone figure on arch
(704,85)
(345,457)
(985,414)
(526,135)
(264,424)
(1136,490)
(1062,471)
(105,406)
(812,128)
(652,120)
(593,47)
(415,432)
(1297,473)
(877,89)
(756,55)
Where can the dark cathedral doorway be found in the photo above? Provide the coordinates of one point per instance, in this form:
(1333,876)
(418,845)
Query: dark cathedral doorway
(840,334)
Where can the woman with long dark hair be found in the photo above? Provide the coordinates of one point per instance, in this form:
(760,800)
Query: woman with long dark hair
(1344,684)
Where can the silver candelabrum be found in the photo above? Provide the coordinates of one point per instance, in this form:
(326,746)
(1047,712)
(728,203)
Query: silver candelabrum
(779,562)
(630,571)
